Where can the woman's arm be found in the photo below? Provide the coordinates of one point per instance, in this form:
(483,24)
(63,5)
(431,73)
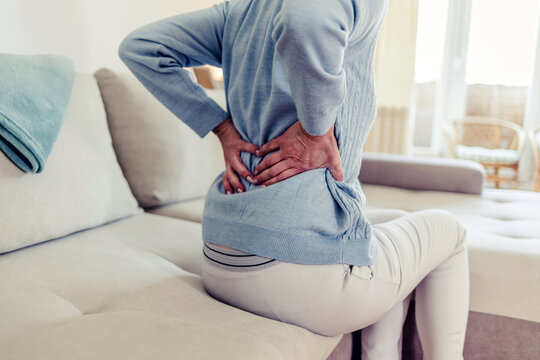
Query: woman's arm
(310,40)
(156,53)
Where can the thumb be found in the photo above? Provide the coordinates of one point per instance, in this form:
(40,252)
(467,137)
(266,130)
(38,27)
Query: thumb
(336,171)
(269,146)
(249,147)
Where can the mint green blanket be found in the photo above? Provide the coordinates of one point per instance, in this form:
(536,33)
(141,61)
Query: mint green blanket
(34,93)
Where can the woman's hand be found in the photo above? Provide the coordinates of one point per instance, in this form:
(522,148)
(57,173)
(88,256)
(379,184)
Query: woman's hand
(233,145)
(298,151)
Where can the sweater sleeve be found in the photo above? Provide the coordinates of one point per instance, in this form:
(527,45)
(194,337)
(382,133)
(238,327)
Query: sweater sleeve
(310,38)
(156,54)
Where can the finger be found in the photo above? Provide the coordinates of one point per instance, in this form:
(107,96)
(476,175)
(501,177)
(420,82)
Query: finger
(235,181)
(249,147)
(268,147)
(227,185)
(273,171)
(283,175)
(336,170)
(268,162)
(241,169)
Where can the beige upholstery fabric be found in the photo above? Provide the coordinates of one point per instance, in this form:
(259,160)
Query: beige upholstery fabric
(130,290)
(191,210)
(81,186)
(503,231)
(162,158)
(422,173)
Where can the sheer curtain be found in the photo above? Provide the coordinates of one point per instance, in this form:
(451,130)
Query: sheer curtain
(394,76)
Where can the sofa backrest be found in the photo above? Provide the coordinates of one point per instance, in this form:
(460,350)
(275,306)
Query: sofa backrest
(422,173)
(163,160)
(81,186)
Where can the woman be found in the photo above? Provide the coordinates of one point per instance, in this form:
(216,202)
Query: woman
(284,230)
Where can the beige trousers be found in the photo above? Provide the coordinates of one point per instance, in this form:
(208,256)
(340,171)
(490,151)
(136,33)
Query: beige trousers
(425,250)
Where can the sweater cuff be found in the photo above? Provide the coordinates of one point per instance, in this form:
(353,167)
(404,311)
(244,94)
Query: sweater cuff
(317,124)
(205,118)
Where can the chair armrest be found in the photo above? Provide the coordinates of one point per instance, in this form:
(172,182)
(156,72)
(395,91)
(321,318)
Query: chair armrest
(422,173)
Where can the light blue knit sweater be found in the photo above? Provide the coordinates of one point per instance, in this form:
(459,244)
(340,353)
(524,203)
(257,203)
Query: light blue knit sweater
(282,60)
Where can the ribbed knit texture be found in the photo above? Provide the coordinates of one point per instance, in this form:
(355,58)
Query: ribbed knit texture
(283,60)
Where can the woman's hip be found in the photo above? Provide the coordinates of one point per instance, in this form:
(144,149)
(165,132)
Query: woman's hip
(325,299)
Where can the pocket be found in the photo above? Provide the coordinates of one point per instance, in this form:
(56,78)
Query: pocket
(365,272)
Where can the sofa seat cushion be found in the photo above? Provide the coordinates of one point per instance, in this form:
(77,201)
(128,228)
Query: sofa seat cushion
(488,156)
(191,210)
(131,289)
(503,232)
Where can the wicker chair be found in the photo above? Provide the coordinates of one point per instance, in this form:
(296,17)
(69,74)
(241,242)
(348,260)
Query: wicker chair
(494,143)
(534,137)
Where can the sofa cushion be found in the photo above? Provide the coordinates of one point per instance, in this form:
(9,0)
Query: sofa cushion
(81,186)
(422,173)
(130,290)
(191,210)
(503,233)
(163,160)
(488,156)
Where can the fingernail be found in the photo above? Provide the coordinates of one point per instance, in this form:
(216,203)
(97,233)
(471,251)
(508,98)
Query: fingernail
(255,181)
(249,179)
(228,192)
(257,152)
(255,172)
(263,186)
(239,190)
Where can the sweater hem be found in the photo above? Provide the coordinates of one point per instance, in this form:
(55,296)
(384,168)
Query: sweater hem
(299,248)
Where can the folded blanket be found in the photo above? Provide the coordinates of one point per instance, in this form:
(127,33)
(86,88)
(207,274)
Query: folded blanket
(34,93)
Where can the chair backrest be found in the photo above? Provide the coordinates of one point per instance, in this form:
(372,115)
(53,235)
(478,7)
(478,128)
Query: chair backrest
(534,138)
(486,132)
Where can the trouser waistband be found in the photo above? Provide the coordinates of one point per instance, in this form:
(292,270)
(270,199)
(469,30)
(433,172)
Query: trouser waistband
(235,259)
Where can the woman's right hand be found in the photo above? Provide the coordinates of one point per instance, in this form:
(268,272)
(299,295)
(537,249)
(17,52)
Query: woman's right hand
(296,151)
(233,144)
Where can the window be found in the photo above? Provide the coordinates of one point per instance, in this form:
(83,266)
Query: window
(488,77)
(432,16)
(500,59)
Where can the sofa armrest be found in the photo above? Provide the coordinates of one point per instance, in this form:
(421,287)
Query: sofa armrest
(422,173)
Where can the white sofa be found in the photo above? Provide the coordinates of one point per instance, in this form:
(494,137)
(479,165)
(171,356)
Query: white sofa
(86,273)
(100,253)
(503,232)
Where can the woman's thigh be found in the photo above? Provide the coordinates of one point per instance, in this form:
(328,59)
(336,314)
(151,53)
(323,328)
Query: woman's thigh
(419,242)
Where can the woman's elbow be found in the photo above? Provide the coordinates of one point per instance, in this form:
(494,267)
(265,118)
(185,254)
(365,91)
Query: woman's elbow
(137,47)
(128,49)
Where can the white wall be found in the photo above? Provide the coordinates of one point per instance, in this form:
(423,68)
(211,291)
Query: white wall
(87,31)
